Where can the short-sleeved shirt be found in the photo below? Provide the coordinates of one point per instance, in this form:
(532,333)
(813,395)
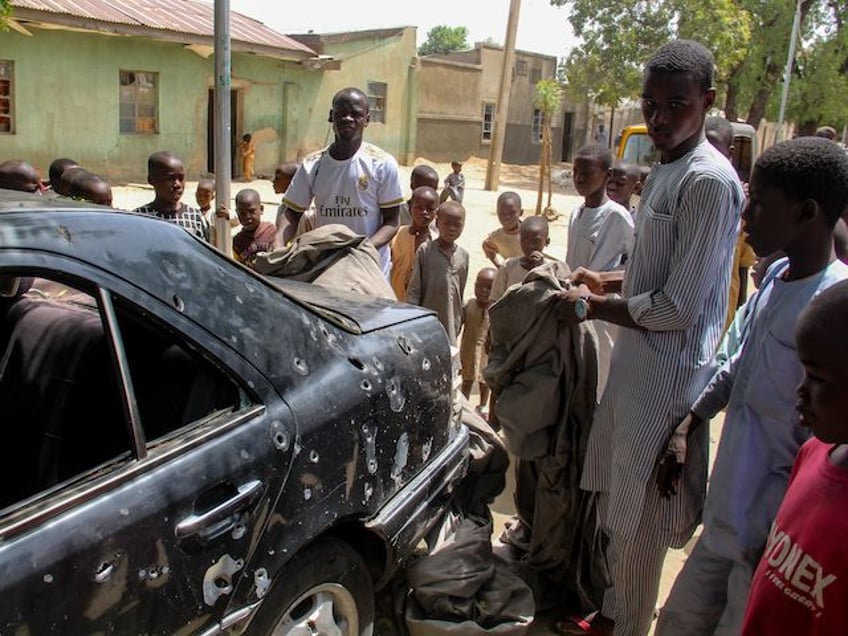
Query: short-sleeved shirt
(475,327)
(353,192)
(801,584)
(438,282)
(599,239)
(246,245)
(508,245)
(188,218)
(403,258)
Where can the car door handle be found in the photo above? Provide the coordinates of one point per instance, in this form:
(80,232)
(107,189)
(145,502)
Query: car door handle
(198,524)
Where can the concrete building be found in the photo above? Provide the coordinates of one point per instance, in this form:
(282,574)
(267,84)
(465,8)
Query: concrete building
(457,101)
(107,83)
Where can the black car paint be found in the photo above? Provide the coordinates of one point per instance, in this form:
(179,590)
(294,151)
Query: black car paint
(354,399)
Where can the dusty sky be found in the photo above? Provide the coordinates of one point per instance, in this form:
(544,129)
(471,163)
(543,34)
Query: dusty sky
(541,27)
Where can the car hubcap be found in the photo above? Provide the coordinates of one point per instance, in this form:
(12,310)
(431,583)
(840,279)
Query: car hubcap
(325,610)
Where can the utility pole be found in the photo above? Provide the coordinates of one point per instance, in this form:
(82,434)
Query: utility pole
(787,72)
(493,170)
(222,139)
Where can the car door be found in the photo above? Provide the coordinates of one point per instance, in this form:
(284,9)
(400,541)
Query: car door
(158,454)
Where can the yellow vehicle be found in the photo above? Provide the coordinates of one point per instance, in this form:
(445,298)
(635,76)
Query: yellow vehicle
(636,147)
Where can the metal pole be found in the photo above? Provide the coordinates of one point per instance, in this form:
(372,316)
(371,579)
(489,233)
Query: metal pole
(493,170)
(787,73)
(222,144)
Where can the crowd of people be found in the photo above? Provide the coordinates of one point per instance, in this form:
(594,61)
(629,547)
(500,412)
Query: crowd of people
(645,310)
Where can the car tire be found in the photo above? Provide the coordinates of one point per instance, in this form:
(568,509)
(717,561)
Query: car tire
(324,590)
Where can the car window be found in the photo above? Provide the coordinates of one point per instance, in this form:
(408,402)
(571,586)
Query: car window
(639,149)
(174,383)
(61,402)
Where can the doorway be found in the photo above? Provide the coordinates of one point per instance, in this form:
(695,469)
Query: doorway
(235,166)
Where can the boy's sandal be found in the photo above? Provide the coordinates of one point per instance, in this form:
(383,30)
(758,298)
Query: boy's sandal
(577,626)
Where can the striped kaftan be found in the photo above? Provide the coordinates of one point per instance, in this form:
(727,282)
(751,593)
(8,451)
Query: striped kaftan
(676,285)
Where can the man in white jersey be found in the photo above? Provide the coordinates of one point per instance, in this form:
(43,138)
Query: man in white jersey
(672,310)
(353,183)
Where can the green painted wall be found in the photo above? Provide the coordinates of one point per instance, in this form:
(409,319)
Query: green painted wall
(66,102)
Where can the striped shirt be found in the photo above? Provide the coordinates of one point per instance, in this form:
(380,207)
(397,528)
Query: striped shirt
(187,218)
(676,290)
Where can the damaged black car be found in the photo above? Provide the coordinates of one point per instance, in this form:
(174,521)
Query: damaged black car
(190,447)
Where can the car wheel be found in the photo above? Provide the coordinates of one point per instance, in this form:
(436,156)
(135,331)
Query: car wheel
(325,590)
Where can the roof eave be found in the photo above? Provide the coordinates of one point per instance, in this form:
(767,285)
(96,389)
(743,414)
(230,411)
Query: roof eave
(70,22)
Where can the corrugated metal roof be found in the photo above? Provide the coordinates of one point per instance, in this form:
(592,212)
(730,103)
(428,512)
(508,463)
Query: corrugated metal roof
(181,16)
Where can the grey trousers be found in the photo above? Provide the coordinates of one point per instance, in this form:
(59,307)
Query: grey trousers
(635,568)
(708,597)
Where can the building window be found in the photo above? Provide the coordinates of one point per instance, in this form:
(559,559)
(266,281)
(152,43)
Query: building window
(535,75)
(521,67)
(537,126)
(7,121)
(139,102)
(377,101)
(488,120)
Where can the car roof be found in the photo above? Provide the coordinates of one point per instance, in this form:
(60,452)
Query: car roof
(170,264)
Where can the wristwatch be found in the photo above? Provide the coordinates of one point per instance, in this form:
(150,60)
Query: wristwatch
(581,309)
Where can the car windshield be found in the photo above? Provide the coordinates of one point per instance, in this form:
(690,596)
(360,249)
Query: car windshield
(639,149)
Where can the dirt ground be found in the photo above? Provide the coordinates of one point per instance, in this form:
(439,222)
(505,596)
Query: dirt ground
(480,220)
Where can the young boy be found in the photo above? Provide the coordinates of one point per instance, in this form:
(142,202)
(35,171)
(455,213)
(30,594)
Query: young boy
(441,270)
(19,175)
(421,175)
(57,167)
(801,583)
(505,242)
(88,186)
(256,235)
(797,191)
(534,238)
(166,173)
(248,156)
(475,328)
(673,305)
(624,182)
(719,133)
(454,184)
(600,236)
(205,195)
(283,175)
(409,238)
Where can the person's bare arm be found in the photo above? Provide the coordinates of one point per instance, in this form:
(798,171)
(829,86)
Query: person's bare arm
(287,221)
(386,232)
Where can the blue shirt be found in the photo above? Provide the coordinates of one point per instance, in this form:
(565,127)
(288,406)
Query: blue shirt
(761,434)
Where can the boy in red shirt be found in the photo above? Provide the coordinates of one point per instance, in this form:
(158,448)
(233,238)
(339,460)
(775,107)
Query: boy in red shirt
(801,584)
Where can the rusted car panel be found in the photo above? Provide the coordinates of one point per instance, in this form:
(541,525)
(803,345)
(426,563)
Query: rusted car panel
(338,421)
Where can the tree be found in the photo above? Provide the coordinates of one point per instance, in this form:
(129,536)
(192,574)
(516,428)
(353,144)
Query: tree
(444,39)
(618,38)
(5,14)
(548,99)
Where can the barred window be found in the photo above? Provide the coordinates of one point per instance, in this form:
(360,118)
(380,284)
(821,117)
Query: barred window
(488,120)
(7,111)
(139,102)
(377,101)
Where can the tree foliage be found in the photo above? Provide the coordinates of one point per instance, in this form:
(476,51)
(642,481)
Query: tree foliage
(5,14)
(750,39)
(444,39)
(618,38)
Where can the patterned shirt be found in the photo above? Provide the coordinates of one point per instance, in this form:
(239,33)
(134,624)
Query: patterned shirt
(191,219)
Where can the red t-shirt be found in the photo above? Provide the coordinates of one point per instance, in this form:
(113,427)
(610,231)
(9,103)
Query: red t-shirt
(246,245)
(801,584)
